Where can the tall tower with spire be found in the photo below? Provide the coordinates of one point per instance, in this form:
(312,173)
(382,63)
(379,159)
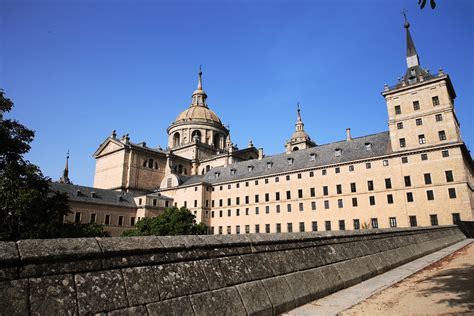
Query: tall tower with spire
(300,139)
(65,177)
(421,105)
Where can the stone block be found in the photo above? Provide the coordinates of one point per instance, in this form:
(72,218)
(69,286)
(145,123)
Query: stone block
(298,287)
(258,266)
(14,297)
(131,311)
(332,281)
(100,291)
(235,270)
(315,283)
(280,294)
(328,254)
(53,295)
(255,298)
(140,285)
(59,267)
(9,260)
(213,273)
(179,279)
(220,302)
(180,306)
(279,262)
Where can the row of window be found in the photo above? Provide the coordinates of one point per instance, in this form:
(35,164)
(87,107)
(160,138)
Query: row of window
(356,224)
(340,203)
(422,139)
(419,121)
(416,105)
(107,219)
(325,190)
(324,172)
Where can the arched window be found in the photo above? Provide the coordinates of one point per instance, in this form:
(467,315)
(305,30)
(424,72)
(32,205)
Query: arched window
(295,148)
(180,169)
(150,163)
(176,139)
(197,134)
(217,140)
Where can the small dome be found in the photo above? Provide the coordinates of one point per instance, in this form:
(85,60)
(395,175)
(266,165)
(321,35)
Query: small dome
(198,113)
(300,135)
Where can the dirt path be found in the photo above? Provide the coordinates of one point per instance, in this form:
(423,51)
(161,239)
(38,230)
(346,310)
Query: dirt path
(445,287)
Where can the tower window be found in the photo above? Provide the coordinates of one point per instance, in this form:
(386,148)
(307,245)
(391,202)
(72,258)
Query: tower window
(435,100)
(445,153)
(419,122)
(452,193)
(421,139)
(400,125)
(368,165)
(449,176)
(402,142)
(398,110)
(404,159)
(439,117)
(424,156)
(442,135)
(416,105)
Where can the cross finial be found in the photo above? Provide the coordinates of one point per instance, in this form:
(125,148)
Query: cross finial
(67,154)
(404,12)
(200,69)
(298,106)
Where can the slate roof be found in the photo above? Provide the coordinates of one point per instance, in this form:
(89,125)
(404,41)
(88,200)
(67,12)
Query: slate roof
(354,149)
(81,193)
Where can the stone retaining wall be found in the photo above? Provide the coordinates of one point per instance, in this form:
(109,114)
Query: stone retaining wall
(255,274)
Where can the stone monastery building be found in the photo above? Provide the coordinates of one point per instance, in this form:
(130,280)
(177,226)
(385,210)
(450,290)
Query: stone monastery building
(418,173)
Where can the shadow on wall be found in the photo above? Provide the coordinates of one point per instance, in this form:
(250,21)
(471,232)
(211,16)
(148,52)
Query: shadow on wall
(457,281)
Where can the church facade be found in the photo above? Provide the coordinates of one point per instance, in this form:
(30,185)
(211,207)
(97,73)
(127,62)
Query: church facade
(418,173)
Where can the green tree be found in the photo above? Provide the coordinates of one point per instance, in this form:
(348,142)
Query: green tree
(174,221)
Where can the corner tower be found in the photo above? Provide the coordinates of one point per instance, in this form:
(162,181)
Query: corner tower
(421,105)
(300,139)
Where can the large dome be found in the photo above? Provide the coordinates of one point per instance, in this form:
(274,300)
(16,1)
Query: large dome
(198,113)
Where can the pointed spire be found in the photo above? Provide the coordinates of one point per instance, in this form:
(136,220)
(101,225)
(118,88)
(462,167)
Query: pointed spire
(412,56)
(200,78)
(199,96)
(65,177)
(299,121)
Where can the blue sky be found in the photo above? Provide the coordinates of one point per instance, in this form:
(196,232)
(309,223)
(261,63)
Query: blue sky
(76,70)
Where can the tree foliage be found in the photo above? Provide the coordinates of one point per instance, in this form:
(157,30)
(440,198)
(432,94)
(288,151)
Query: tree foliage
(422,3)
(174,221)
(28,208)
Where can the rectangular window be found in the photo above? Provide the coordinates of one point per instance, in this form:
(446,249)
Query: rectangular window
(278,208)
(229,212)
(220,230)
(456,218)
(439,117)
(340,203)
(421,139)
(257,210)
(372,200)
(404,159)
(288,195)
(385,162)
(247,229)
(301,227)
(267,228)
(354,202)
(247,200)
(326,204)
(256,198)
(353,187)
(312,192)
(256,182)
(392,221)
(77,217)
(267,197)
(407,181)
(356,224)
(325,190)
(374,222)
(300,193)
(430,195)
(229,230)
(257,228)
(370,185)
(220,213)
(442,135)
(267,209)
(289,227)
(434,220)
(212,214)
(154,201)
(237,212)
(185,203)
(351,168)
(413,222)
(288,178)
(313,205)
(237,200)
(237,229)
(278,228)
(247,211)
(403,143)
(277,179)
(338,170)
(445,153)
(400,125)
(419,122)
(220,202)
(339,189)
(311,174)
(416,105)
(409,197)
(368,165)
(389,198)
(342,225)
(398,110)
(107,220)
(301,207)
(93,218)
(424,157)
(324,172)
(388,183)
(299,176)
(327,225)
(277,196)
(314,226)
(449,176)
(132,221)
(120,220)
(435,100)
(266,181)
(427,178)
(212,203)
(288,207)
(452,193)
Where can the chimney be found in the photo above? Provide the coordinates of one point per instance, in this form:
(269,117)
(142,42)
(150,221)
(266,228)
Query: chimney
(348,134)
(260,153)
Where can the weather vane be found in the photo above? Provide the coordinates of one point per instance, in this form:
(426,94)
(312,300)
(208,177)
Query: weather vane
(404,12)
